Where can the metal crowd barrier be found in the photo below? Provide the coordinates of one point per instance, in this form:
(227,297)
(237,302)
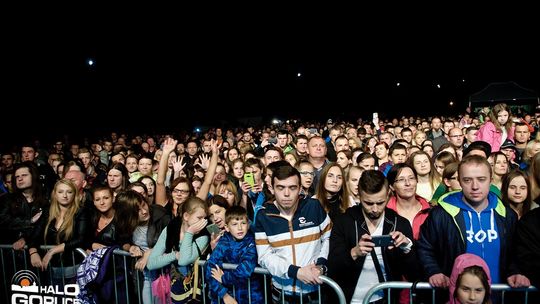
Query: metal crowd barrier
(127,265)
(12,261)
(503,288)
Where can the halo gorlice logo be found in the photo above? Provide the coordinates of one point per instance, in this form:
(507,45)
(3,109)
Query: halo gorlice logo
(26,289)
(25,281)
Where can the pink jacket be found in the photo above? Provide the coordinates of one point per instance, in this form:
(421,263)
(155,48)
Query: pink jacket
(492,136)
(463,261)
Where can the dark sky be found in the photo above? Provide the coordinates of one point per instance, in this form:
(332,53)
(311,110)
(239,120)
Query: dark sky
(250,68)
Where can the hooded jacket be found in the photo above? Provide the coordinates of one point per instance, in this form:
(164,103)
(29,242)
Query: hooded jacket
(463,261)
(443,236)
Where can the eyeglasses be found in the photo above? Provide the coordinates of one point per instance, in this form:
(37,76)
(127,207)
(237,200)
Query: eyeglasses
(403,180)
(307,173)
(456,136)
(180,191)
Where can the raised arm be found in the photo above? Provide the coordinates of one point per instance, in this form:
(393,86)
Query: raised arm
(161,193)
(209,176)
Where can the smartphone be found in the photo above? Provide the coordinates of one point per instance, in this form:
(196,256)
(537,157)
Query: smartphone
(382,240)
(272,140)
(313,130)
(213,228)
(375,115)
(248,178)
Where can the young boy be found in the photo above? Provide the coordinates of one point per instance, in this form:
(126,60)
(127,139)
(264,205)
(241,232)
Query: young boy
(236,246)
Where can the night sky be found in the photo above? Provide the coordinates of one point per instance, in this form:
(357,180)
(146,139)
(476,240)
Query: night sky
(266,69)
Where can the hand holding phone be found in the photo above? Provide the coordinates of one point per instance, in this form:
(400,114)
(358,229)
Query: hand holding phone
(382,240)
(248,178)
(213,228)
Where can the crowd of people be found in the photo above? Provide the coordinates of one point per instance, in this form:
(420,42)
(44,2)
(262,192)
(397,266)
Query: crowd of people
(448,200)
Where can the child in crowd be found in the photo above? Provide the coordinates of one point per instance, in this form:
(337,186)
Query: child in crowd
(236,246)
(470,280)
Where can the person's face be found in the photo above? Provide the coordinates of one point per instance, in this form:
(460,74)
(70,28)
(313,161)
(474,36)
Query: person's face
(475,180)
(64,195)
(131,164)
(85,158)
(193,218)
(196,186)
(207,146)
(237,228)
(77,178)
(342,144)
(306,175)
(456,137)
(405,184)
(419,138)
(351,132)
(139,190)
(171,159)
(317,148)
(387,138)
(342,160)
(470,290)
(217,215)
(367,164)
(233,154)
(334,180)
(118,158)
(257,173)
(7,160)
(144,213)
(301,145)
(271,156)
(500,165)
(103,201)
(407,135)
(334,134)
(422,165)
(180,148)
(398,156)
(192,148)
(145,166)
(238,170)
(23,178)
(28,154)
(227,194)
(180,193)
(220,175)
(502,117)
(114,178)
(108,146)
(521,134)
(352,182)
(381,152)
(453,183)
(287,192)
(373,204)
(290,158)
(517,190)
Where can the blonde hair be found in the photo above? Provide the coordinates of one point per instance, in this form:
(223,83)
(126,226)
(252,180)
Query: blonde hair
(65,231)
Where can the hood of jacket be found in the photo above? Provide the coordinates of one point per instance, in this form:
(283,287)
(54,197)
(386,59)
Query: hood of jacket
(463,261)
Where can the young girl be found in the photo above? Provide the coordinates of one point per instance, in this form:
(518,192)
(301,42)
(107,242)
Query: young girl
(498,129)
(470,280)
(182,241)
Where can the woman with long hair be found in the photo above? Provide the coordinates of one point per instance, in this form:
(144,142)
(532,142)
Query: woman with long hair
(66,227)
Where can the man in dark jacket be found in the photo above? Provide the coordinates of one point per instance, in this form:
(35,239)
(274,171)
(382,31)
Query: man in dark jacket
(354,261)
(470,221)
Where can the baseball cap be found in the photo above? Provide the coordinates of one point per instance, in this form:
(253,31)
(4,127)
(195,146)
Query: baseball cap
(478,145)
